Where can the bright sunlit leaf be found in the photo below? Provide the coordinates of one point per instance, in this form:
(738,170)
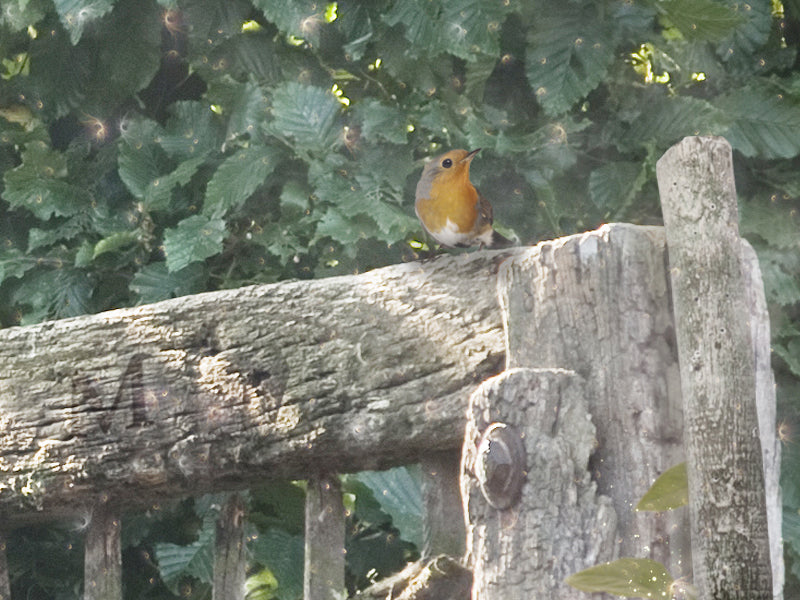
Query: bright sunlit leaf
(627,577)
(669,491)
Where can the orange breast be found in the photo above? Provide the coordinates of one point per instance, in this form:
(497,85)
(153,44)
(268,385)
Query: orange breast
(450,199)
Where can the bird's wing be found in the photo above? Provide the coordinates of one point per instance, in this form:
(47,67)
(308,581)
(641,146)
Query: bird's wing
(484,210)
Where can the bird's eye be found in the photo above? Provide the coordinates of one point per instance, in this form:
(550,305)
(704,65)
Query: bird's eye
(447,163)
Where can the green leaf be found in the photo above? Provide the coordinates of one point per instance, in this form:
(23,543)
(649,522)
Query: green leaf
(261,586)
(140,158)
(568,56)
(361,208)
(195,238)
(399,493)
(633,17)
(114,242)
(392,221)
(279,504)
(237,178)
(300,18)
(628,577)
(749,37)
(132,35)
(666,120)
(380,120)
(699,19)
(307,114)
(763,123)
(669,491)
(256,55)
(280,239)
(19,14)
(158,193)
(342,229)
(196,560)
(246,111)
(790,354)
(56,293)
(777,225)
(478,72)
(295,198)
(64,230)
(191,131)
(14,263)
(464,28)
(360,500)
(84,254)
(282,553)
(210,21)
(154,282)
(356,24)
(39,184)
(19,126)
(785,178)
(75,15)
(781,272)
(418,18)
(59,74)
(612,186)
(790,489)
(388,166)
(141,163)
(472,27)
(791,530)
(372,198)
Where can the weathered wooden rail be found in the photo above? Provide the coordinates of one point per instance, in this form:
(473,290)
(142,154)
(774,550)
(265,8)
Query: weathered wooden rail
(307,379)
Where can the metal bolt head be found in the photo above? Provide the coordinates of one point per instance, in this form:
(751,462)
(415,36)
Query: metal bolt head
(500,465)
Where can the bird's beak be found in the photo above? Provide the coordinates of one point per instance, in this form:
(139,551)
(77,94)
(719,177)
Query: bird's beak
(470,156)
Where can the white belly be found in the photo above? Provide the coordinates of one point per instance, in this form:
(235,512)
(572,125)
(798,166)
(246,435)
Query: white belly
(449,235)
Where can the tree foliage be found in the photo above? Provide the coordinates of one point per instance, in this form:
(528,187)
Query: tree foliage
(150,149)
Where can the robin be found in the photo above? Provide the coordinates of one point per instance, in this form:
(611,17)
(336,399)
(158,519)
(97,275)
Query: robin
(450,208)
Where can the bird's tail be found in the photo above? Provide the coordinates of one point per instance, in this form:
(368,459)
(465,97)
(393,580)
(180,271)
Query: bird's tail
(499,241)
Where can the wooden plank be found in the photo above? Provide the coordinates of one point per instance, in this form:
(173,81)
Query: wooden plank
(443,520)
(599,304)
(323,573)
(766,405)
(218,391)
(524,541)
(727,506)
(5,582)
(102,571)
(230,552)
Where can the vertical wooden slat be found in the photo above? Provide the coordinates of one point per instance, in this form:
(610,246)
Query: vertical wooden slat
(727,499)
(534,514)
(229,558)
(443,526)
(102,570)
(323,577)
(598,304)
(5,584)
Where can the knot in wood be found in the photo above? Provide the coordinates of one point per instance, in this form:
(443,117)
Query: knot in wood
(500,465)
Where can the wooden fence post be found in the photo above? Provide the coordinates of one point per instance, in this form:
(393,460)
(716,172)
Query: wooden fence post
(443,524)
(230,557)
(5,583)
(102,570)
(730,541)
(598,304)
(323,575)
(534,517)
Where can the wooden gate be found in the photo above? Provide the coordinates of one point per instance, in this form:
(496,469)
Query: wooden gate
(579,338)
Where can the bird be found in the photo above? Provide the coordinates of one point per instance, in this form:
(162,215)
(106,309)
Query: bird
(451,209)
